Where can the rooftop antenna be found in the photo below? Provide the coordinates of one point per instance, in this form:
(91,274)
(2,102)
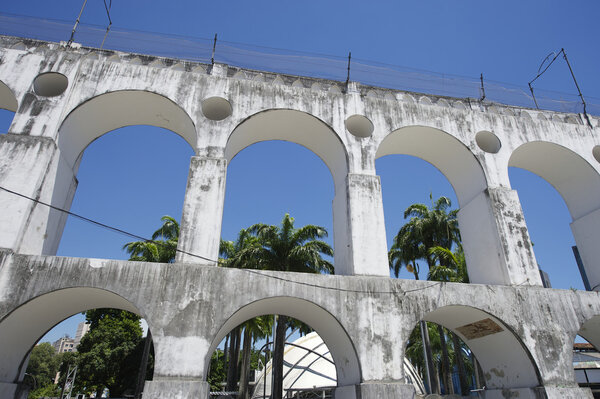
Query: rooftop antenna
(76,23)
(541,72)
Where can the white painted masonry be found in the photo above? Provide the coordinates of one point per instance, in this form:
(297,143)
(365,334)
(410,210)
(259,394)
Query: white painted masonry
(65,98)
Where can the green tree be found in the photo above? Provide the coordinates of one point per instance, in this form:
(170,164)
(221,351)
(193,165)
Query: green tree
(43,366)
(430,231)
(288,249)
(109,354)
(163,246)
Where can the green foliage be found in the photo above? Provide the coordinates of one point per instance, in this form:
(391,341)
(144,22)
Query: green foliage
(429,227)
(109,354)
(43,366)
(163,246)
(44,363)
(50,390)
(218,370)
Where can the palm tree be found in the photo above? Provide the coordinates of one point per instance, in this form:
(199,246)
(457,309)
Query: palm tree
(429,228)
(232,255)
(289,249)
(163,246)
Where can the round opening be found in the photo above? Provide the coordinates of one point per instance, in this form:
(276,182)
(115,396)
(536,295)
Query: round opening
(216,108)
(596,152)
(50,84)
(359,126)
(488,142)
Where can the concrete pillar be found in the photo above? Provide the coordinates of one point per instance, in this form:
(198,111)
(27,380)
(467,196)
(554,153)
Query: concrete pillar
(375,390)
(203,209)
(179,365)
(173,388)
(495,239)
(32,166)
(359,227)
(586,231)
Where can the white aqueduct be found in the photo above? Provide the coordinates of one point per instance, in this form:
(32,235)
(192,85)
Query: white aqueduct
(65,98)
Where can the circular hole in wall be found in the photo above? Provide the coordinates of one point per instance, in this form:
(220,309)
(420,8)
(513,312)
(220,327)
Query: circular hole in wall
(596,152)
(488,142)
(50,84)
(359,125)
(216,108)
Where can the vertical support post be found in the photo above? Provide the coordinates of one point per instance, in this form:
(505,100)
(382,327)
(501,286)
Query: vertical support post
(359,227)
(496,241)
(212,58)
(348,74)
(482,89)
(32,166)
(200,230)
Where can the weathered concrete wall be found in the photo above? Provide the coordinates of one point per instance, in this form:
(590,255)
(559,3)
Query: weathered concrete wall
(220,110)
(365,321)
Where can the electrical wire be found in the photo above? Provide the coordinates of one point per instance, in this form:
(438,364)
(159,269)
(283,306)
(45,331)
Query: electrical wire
(256,272)
(100,224)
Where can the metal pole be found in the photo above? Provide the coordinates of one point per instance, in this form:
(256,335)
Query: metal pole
(533,95)
(348,74)
(212,58)
(275,317)
(482,89)
(76,23)
(576,85)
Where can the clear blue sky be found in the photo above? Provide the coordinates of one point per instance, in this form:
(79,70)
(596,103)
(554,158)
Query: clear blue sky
(122,184)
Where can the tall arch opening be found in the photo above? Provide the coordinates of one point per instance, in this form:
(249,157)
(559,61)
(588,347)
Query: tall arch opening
(325,355)
(115,337)
(278,163)
(128,178)
(434,164)
(557,187)
(471,350)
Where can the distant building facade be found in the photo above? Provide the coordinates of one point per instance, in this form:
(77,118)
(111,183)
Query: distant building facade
(68,344)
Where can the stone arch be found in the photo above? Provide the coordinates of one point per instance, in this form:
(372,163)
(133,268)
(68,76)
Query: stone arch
(23,327)
(449,155)
(506,362)
(578,183)
(327,326)
(8,100)
(295,126)
(109,111)
(571,175)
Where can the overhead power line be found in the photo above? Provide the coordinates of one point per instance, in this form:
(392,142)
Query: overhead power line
(256,272)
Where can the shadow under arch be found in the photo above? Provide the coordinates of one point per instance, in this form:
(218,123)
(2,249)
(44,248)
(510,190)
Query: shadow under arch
(109,111)
(294,126)
(506,362)
(450,156)
(331,331)
(571,175)
(8,100)
(23,327)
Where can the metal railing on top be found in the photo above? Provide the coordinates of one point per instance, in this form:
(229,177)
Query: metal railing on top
(292,63)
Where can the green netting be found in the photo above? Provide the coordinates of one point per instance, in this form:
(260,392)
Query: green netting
(292,62)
